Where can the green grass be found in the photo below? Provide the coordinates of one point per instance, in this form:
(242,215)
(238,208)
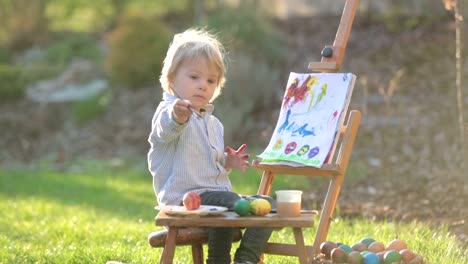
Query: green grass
(92,212)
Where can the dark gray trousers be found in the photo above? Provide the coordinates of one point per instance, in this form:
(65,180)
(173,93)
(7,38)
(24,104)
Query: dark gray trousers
(253,240)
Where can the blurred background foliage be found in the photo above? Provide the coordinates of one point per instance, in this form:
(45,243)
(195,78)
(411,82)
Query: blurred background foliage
(126,42)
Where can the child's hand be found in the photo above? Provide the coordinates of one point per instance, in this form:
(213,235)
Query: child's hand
(236,159)
(182,111)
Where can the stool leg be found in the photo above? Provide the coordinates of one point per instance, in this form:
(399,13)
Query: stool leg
(300,245)
(167,256)
(197,253)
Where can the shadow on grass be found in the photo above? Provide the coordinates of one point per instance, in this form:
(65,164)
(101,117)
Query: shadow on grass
(121,193)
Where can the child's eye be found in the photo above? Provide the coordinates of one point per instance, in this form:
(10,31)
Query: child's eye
(211,81)
(193,77)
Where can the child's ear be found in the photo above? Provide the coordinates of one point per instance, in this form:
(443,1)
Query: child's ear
(170,81)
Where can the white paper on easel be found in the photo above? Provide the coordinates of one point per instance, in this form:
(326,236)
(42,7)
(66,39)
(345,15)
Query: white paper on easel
(312,112)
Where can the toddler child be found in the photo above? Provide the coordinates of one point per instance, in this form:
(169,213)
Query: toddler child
(187,141)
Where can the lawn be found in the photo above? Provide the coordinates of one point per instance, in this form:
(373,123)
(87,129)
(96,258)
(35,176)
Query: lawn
(92,212)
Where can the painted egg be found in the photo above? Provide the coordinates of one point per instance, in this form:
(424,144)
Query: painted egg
(313,152)
(376,247)
(392,256)
(303,150)
(397,244)
(367,241)
(355,258)
(371,258)
(338,255)
(278,144)
(346,248)
(326,248)
(290,147)
(359,247)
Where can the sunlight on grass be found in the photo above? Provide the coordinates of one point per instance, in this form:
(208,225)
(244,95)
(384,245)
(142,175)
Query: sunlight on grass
(94,212)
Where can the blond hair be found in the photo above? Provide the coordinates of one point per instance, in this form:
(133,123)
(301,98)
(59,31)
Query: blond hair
(188,45)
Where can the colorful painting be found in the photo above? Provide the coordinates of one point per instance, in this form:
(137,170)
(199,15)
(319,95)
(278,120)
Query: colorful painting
(312,110)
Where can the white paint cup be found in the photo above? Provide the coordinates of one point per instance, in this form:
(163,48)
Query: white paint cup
(288,203)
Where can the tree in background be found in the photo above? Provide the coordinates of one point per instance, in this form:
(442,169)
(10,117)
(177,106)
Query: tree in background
(454,5)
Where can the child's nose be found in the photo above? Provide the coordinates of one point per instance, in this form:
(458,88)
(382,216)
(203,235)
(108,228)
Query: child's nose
(203,85)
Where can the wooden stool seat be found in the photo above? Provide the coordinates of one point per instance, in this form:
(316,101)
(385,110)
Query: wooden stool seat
(185,237)
(194,237)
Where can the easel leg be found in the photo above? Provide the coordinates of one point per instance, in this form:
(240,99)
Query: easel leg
(266,183)
(327,212)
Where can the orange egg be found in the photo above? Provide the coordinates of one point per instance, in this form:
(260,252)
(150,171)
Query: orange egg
(407,254)
(376,247)
(359,247)
(396,244)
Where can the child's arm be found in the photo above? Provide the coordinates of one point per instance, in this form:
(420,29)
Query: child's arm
(236,159)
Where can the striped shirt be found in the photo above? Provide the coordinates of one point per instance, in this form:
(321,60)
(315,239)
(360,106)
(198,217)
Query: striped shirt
(186,157)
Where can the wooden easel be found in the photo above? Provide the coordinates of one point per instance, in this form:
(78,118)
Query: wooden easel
(178,234)
(332,58)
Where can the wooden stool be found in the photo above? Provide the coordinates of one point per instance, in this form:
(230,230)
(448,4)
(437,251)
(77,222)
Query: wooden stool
(177,224)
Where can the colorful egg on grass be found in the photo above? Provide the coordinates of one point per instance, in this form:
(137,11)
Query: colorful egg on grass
(407,255)
(367,241)
(371,258)
(355,258)
(396,244)
(376,247)
(326,248)
(359,247)
(313,152)
(392,256)
(381,255)
(346,248)
(338,255)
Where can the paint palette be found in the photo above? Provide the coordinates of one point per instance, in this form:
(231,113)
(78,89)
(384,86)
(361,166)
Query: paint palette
(181,210)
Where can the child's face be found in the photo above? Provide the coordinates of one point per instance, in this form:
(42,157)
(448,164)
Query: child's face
(195,80)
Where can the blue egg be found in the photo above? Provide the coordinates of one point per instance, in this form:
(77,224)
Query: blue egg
(371,258)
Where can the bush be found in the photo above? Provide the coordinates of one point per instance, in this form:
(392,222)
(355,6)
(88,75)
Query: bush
(12,84)
(245,30)
(137,49)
